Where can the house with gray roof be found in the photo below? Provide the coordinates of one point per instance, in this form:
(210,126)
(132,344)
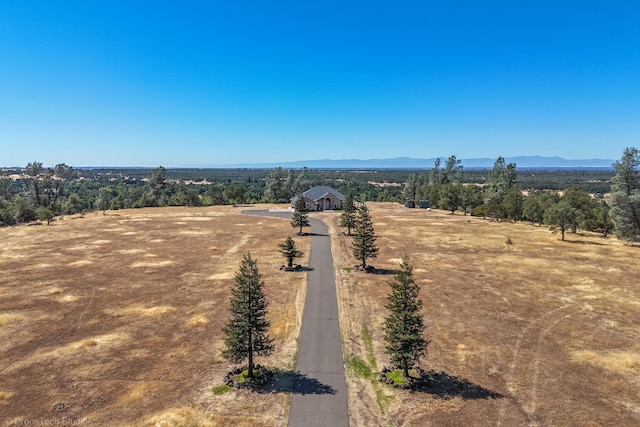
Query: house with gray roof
(321,198)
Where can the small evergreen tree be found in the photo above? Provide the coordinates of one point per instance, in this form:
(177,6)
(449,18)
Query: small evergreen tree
(364,239)
(289,251)
(300,214)
(404,327)
(348,217)
(246,331)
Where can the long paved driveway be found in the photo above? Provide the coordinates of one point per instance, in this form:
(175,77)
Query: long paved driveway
(319,390)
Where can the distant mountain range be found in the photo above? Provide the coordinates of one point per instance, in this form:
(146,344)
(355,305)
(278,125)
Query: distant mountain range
(522,162)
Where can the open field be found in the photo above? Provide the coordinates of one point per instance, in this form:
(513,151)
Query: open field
(535,332)
(116,319)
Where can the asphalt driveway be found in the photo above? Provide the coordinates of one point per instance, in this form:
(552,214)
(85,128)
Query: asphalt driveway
(319,396)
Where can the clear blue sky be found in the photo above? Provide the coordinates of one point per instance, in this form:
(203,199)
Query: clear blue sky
(220,82)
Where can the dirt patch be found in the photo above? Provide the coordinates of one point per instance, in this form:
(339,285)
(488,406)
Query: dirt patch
(116,319)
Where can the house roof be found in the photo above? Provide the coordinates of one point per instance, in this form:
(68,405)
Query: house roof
(321,191)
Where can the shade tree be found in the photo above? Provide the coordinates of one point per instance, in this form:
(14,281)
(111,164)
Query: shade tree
(561,217)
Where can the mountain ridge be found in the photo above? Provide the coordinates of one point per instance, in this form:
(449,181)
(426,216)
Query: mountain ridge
(522,162)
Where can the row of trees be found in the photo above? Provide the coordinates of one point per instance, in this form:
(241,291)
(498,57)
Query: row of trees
(501,198)
(62,190)
(444,187)
(247,329)
(42,192)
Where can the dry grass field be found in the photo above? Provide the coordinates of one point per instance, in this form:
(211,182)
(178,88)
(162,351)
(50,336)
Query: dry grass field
(116,319)
(531,332)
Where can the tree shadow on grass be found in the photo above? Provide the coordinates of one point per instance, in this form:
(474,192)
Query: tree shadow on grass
(445,386)
(296,268)
(312,234)
(373,270)
(584,242)
(385,271)
(295,383)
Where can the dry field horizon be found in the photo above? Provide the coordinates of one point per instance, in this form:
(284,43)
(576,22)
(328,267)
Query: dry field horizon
(524,329)
(116,319)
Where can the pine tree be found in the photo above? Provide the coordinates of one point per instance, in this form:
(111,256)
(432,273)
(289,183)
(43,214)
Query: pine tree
(625,196)
(348,216)
(275,181)
(247,329)
(364,239)
(289,251)
(300,214)
(404,327)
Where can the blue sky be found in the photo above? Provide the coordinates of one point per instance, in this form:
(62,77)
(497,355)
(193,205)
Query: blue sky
(215,82)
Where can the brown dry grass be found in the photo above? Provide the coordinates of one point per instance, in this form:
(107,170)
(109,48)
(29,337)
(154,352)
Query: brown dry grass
(5,397)
(552,326)
(119,316)
(8,318)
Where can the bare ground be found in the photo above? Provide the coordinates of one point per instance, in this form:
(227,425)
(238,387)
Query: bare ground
(116,319)
(535,332)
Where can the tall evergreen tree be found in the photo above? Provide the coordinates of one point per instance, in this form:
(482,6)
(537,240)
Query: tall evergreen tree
(453,171)
(364,239)
(404,327)
(625,196)
(410,188)
(289,251)
(500,179)
(247,330)
(300,214)
(348,216)
(276,190)
(158,186)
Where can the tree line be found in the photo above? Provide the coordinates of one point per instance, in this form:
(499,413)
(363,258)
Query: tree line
(501,198)
(36,192)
